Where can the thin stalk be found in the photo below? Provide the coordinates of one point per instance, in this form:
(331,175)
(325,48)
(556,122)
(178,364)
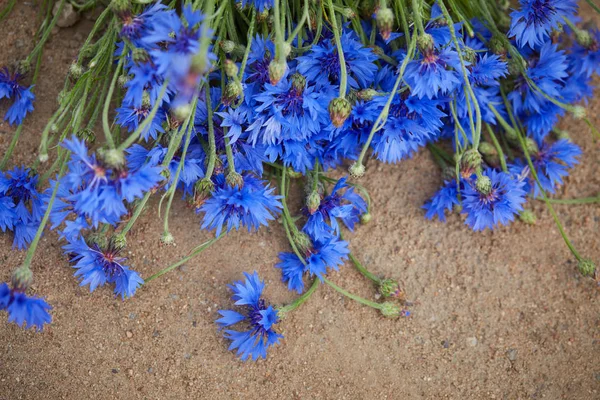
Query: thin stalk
(197,250)
(40,44)
(111,89)
(131,139)
(340,50)
(40,230)
(212,146)
(282,311)
(582,200)
(352,296)
(248,44)
(498,148)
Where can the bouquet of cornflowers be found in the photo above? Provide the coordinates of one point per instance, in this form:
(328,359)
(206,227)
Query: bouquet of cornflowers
(229,104)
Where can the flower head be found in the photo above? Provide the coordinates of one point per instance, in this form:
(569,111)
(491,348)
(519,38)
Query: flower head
(532,23)
(23,310)
(496,204)
(97,265)
(251,205)
(260,317)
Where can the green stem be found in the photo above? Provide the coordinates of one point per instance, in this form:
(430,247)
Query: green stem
(6,10)
(282,311)
(498,148)
(340,50)
(40,44)
(111,89)
(40,230)
(593,5)
(366,273)
(353,296)
(131,139)
(545,197)
(384,113)
(583,200)
(197,250)
(418,16)
(212,146)
(136,213)
(248,44)
(288,222)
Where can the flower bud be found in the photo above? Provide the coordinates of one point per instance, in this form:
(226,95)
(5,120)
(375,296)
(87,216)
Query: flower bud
(391,288)
(483,184)
(487,149)
(298,82)
(276,71)
(583,37)
(227,46)
(385,22)
(366,218)
(119,241)
(390,310)
(425,43)
(75,71)
(348,12)
(120,6)
(302,241)
(43,158)
(22,279)
(313,201)
(471,159)
(339,110)
(167,239)
(294,174)
(122,81)
(233,90)
(578,112)
(234,179)
(356,170)
(367,94)
(231,69)
(497,46)
(586,267)
(181,112)
(139,55)
(528,217)
(531,145)
(113,157)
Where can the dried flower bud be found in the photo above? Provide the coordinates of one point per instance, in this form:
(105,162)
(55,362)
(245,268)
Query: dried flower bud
(528,217)
(483,184)
(357,170)
(385,22)
(231,69)
(276,71)
(339,110)
(313,201)
(22,279)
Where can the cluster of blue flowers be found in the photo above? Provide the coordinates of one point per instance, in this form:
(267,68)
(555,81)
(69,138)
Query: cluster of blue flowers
(216,120)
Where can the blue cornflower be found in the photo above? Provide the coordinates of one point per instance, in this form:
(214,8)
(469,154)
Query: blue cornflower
(234,119)
(487,70)
(551,163)
(131,116)
(24,310)
(260,5)
(330,252)
(8,216)
(498,205)
(287,112)
(191,172)
(173,39)
(444,199)
(144,83)
(548,71)
(258,314)
(262,51)
(435,73)
(586,57)
(97,265)
(22,96)
(532,23)
(19,186)
(323,61)
(251,205)
(347,206)
(136,27)
(98,191)
(411,123)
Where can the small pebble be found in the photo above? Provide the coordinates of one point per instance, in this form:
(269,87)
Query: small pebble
(129,334)
(472,341)
(511,354)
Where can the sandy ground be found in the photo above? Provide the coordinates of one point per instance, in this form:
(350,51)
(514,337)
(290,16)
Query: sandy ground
(501,315)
